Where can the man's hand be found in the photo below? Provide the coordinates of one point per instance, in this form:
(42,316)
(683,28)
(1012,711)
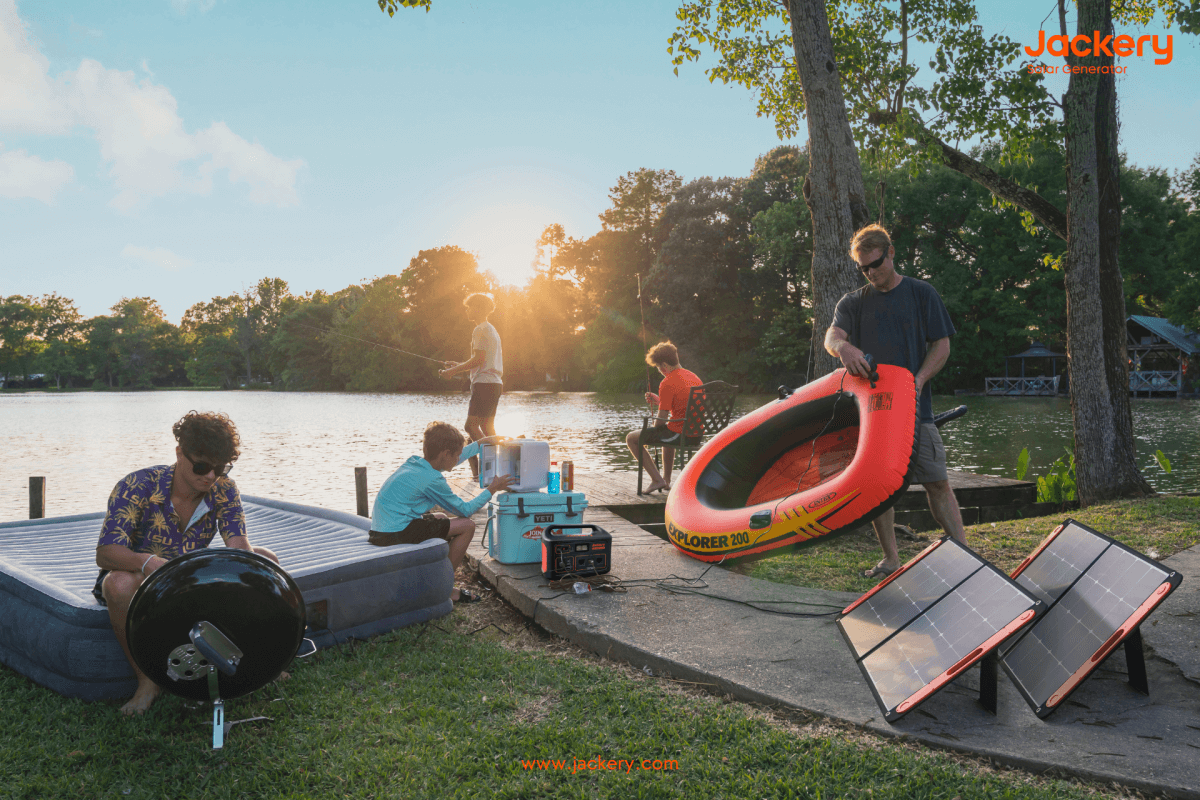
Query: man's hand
(501,483)
(652,399)
(852,359)
(152,563)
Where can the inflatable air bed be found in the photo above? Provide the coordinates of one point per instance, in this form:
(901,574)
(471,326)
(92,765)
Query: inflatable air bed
(54,632)
(825,458)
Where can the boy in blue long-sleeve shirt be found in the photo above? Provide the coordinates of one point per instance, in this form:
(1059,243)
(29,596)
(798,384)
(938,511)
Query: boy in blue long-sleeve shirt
(401,511)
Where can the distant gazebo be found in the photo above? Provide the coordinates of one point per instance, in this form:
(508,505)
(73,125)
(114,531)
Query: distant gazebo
(1040,386)
(1159,353)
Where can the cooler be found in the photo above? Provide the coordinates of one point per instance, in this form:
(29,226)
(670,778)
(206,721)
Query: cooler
(517,520)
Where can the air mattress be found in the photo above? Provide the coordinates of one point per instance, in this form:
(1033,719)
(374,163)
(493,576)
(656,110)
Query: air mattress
(54,632)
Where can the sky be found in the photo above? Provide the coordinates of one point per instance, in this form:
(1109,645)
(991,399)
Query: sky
(184,149)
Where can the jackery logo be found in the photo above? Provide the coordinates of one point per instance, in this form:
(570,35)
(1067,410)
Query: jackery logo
(1082,45)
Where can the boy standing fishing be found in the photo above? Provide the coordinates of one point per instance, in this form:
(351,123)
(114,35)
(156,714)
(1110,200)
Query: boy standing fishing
(486,366)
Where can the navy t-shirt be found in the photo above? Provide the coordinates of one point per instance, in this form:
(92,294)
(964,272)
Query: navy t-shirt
(895,327)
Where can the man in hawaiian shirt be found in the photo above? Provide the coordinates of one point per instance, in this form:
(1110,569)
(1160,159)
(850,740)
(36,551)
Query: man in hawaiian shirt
(158,513)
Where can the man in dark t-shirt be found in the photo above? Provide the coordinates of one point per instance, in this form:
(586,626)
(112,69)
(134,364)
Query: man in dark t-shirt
(900,321)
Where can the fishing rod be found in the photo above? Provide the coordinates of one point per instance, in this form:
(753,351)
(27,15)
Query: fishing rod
(373,344)
(642,309)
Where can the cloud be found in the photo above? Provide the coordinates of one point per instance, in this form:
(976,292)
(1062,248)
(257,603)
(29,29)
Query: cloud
(156,256)
(142,139)
(23,175)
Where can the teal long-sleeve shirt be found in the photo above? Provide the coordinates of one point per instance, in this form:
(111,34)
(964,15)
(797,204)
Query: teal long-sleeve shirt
(415,488)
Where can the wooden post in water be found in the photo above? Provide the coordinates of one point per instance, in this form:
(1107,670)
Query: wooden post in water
(37,498)
(360,489)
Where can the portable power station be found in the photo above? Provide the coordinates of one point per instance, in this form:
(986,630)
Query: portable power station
(576,551)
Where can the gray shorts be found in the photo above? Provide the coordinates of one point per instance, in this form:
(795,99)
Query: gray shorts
(929,462)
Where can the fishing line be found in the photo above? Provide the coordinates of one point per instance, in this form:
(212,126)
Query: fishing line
(373,344)
(642,309)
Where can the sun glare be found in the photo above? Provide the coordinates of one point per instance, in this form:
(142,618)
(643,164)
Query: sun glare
(512,423)
(505,239)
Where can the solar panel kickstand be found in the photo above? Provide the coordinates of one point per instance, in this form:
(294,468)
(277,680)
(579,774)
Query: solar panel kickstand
(1135,661)
(989,666)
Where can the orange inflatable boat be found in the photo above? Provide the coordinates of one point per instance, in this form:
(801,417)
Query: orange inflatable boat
(829,456)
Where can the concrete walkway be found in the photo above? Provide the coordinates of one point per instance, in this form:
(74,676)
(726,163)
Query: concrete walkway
(1106,731)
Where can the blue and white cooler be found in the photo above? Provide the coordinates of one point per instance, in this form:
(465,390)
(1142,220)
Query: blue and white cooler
(516,521)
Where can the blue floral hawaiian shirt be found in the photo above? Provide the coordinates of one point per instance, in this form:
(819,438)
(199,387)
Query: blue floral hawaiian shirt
(141,517)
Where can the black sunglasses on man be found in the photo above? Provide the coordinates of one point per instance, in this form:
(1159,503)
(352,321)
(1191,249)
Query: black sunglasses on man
(203,467)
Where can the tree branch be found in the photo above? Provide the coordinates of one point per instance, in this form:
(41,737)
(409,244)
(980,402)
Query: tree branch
(1009,191)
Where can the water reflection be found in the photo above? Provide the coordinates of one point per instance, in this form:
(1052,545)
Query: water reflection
(302,447)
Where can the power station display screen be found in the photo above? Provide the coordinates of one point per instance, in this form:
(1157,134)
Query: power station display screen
(1098,591)
(920,629)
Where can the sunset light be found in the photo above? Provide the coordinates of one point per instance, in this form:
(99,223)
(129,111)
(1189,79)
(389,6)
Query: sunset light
(504,237)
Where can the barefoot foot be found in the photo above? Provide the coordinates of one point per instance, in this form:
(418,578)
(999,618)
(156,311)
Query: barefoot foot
(146,693)
(657,485)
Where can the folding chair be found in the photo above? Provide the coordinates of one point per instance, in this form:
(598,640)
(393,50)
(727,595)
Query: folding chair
(709,409)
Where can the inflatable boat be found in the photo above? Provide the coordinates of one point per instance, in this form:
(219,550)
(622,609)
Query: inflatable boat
(829,456)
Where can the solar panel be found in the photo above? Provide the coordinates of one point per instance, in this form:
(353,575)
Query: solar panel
(930,620)
(1098,592)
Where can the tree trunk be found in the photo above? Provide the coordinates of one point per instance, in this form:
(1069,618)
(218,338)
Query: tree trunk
(833,188)
(1105,460)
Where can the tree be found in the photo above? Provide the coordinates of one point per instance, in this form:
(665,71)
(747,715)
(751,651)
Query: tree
(970,97)
(300,352)
(697,286)
(20,319)
(148,349)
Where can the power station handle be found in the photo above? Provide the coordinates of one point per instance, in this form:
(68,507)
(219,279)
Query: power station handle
(550,529)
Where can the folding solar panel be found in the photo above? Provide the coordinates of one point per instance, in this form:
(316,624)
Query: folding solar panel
(931,620)
(1097,591)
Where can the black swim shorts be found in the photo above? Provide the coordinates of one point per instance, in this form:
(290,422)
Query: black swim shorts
(419,530)
(484,399)
(666,436)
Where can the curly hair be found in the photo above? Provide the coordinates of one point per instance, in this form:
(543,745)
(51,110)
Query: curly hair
(208,435)
(440,436)
(482,301)
(663,353)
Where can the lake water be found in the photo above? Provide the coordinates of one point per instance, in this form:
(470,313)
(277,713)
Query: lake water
(303,447)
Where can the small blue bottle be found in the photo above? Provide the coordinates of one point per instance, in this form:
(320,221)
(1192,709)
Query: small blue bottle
(553,479)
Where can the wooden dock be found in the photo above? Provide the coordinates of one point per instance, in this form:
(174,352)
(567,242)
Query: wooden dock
(613,499)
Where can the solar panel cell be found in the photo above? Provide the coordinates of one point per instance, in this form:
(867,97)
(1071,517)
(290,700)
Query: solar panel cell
(1099,591)
(944,612)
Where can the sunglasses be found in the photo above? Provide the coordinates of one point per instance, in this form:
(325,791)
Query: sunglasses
(876,263)
(203,467)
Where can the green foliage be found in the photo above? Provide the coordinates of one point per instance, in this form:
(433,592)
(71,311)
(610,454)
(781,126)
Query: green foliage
(391,6)
(1163,461)
(1058,484)
(973,87)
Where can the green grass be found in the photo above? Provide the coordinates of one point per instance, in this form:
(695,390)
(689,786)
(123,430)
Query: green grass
(1158,527)
(436,712)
